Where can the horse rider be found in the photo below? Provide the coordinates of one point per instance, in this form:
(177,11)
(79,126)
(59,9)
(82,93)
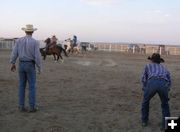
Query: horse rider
(54,40)
(74,41)
(48,44)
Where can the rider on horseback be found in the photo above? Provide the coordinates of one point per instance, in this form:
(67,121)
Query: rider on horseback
(50,42)
(74,41)
(52,48)
(54,40)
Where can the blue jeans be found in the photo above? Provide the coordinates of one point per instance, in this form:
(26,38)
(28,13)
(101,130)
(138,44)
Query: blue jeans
(154,86)
(27,72)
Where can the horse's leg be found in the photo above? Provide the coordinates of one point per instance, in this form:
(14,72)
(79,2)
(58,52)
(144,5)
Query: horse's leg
(61,58)
(76,50)
(71,51)
(54,57)
(68,50)
(79,51)
(59,54)
(64,52)
(44,57)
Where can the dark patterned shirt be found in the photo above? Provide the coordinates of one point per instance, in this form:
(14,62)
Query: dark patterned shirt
(155,70)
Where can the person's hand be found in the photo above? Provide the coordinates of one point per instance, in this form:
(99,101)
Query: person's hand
(143,88)
(168,86)
(39,71)
(13,67)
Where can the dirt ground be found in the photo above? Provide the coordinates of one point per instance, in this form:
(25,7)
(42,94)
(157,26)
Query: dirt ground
(96,92)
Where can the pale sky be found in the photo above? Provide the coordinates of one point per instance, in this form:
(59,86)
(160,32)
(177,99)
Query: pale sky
(137,21)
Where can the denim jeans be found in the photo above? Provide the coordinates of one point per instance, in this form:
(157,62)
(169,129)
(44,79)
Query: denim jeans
(27,73)
(154,86)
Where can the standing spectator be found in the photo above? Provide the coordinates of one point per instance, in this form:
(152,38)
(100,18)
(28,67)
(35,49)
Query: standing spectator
(27,50)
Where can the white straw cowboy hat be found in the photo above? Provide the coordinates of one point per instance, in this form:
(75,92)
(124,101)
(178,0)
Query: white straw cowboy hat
(29,28)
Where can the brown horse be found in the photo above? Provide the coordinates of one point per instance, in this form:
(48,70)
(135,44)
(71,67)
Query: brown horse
(54,50)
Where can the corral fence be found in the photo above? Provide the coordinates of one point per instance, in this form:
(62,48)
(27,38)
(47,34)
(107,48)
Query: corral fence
(139,48)
(8,43)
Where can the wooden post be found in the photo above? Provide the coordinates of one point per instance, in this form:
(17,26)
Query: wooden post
(160,50)
(121,48)
(133,49)
(110,47)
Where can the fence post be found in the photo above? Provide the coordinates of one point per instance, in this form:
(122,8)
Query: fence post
(160,50)
(133,49)
(175,51)
(121,48)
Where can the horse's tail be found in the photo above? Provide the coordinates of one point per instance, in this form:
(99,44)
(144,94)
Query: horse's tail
(62,49)
(41,51)
(64,52)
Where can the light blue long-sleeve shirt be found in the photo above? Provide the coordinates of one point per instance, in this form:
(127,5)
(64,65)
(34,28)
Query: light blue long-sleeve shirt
(27,49)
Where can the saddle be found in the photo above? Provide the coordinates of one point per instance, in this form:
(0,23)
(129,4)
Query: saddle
(50,47)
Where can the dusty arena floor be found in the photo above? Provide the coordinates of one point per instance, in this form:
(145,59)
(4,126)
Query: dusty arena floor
(96,92)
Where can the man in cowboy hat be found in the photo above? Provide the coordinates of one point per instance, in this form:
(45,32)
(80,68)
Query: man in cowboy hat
(155,79)
(27,50)
(54,40)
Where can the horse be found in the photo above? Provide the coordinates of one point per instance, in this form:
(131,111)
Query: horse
(76,49)
(69,47)
(54,50)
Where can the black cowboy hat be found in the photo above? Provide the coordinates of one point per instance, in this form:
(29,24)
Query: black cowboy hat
(156,58)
